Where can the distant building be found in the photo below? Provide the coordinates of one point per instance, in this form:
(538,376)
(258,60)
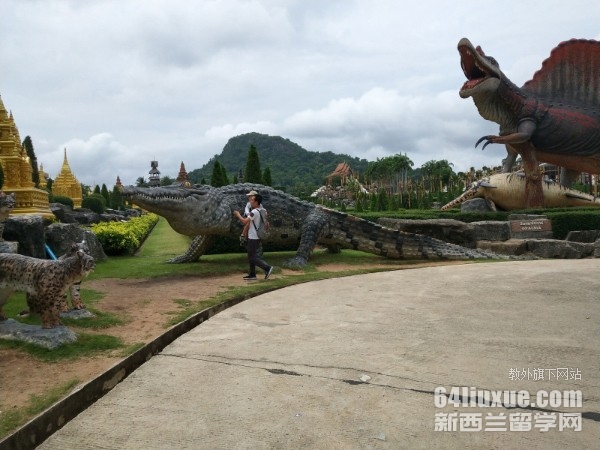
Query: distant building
(154,178)
(342,171)
(182,177)
(18,173)
(67,185)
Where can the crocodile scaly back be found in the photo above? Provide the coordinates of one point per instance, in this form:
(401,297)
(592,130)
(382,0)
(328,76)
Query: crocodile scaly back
(570,74)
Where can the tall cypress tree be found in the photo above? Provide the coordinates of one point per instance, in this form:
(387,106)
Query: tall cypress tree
(219,175)
(35,175)
(224,179)
(116,198)
(105,194)
(266,177)
(253,173)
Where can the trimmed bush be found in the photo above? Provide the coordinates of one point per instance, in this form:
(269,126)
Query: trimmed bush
(63,200)
(124,238)
(95,202)
(563,222)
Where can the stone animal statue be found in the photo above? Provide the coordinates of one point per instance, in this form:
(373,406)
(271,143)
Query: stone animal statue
(205,212)
(75,288)
(505,191)
(553,118)
(44,281)
(7,202)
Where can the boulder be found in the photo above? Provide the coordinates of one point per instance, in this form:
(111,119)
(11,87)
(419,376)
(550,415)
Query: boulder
(491,230)
(60,236)
(447,230)
(66,214)
(28,231)
(477,205)
(583,236)
(554,248)
(516,247)
(596,253)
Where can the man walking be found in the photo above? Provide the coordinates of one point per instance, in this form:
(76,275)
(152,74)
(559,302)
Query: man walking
(254,219)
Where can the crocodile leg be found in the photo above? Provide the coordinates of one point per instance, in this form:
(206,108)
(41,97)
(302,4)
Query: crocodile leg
(311,231)
(197,248)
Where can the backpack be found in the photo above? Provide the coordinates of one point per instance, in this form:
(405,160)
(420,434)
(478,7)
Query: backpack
(263,230)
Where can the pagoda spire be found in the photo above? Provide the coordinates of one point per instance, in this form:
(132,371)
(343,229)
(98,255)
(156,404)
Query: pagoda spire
(67,184)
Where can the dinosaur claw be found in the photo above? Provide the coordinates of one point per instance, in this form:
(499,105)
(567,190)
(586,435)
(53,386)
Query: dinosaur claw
(486,144)
(481,139)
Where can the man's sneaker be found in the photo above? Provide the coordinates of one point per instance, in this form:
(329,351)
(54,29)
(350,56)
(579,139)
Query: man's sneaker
(268,272)
(250,278)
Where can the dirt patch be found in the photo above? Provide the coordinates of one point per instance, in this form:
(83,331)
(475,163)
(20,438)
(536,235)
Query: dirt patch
(149,304)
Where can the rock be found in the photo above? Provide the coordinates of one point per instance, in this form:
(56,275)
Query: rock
(477,205)
(554,248)
(9,247)
(28,231)
(60,236)
(49,338)
(516,247)
(66,214)
(583,236)
(76,314)
(596,253)
(491,230)
(447,230)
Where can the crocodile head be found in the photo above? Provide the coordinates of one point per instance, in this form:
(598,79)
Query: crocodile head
(483,72)
(190,211)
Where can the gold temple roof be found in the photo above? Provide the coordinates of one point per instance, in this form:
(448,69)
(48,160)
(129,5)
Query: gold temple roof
(18,173)
(66,184)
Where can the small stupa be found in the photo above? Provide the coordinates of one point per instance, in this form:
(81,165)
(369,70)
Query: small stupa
(18,171)
(67,185)
(182,176)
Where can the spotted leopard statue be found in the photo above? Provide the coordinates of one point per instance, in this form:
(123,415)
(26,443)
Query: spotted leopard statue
(44,281)
(74,289)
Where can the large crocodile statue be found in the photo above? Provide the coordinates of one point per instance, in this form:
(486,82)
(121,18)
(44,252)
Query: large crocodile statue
(505,191)
(205,212)
(553,118)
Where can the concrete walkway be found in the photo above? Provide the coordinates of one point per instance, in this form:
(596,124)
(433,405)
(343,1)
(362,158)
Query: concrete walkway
(354,363)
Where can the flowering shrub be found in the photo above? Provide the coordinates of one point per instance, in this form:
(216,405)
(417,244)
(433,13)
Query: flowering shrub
(124,238)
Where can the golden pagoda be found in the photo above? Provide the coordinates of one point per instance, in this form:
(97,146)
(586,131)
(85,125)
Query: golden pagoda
(43,183)
(18,171)
(67,185)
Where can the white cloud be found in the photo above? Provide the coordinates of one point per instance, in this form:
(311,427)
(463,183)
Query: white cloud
(121,83)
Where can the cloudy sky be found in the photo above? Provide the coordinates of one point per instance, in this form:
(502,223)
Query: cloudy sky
(121,82)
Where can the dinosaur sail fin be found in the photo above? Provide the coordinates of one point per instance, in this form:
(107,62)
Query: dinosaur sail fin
(570,73)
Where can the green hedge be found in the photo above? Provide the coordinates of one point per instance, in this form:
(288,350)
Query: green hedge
(95,202)
(563,222)
(124,238)
(63,200)
(563,219)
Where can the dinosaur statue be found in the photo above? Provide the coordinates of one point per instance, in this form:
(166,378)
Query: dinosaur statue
(205,212)
(505,191)
(553,118)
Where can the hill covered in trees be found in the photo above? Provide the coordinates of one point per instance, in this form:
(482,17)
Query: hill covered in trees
(290,164)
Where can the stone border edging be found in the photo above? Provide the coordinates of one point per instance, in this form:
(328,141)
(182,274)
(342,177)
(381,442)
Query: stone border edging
(38,429)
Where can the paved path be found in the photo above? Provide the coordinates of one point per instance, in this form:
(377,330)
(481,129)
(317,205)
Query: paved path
(353,363)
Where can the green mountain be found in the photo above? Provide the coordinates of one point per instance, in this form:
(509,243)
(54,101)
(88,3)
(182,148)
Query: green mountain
(291,166)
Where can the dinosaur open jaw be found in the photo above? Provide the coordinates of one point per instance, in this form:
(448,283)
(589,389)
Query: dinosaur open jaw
(475,65)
